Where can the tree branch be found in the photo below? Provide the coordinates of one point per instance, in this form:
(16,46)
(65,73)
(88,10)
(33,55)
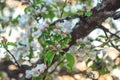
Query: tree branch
(63,9)
(105,31)
(13,58)
(87,24)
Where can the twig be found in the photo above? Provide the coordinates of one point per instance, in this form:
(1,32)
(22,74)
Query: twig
(105,31)
(13,57)
(111,41)
(63,8)
(116,15)
(66,18)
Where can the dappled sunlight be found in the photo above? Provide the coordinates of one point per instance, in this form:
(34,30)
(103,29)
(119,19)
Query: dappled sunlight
(59,40)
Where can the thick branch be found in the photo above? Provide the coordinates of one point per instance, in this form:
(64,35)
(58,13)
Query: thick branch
(99,14)
(86,25)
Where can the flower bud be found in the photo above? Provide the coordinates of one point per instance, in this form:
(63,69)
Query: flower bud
(51,46)
(67,45)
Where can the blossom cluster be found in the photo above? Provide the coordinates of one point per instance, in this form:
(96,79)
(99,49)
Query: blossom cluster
(36,71)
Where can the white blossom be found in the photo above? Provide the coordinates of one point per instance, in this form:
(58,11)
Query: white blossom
(41,26)
(67,9)
(100,55)
(23,0)
(26,63)
(34,45)
(116,72)
(58,46)
(66,26)
(23,19)
(48,2)
(43,9)
(28,73)
(78,6)
(24,37)
(25,58)
(36,34)
(31,1)
(34,60)
(35,71)
(2,31)
(39,69)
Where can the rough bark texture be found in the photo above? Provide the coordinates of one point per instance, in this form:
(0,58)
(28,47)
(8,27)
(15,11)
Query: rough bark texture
(100,13)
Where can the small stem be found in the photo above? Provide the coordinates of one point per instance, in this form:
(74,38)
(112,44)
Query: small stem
(66,18)
(105,31)
(63,8)
(13,57)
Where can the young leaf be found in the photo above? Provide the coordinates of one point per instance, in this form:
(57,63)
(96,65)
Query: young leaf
(103,71)
(11,43)
(88,14)
(38,78)
(0,45)
(49,57)
(10,32)
(57,37)
(65,42)
(70,60)
(49,42)
(102,36)
(31,53)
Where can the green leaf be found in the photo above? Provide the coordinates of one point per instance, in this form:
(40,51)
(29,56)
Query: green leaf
(115,66)
(65,42)
(0,45)
(31,53)
(31,50)
(27,9)
(21,44)
(1,19)
(82,45)
(50,15)
(103,71)
(102,36)
(38,78)
(33,78)
(89,3)
(59,57)
(35,28)
(2,5)
(30,38)
(49,42)
(80,12)
(105,43)
(42,42)
(10,32)
(70,60)
(117,41)
(11,43)
(15,20)
(55,5)
(50,28)
(46,33)
(49,57)
(5,45)
(57,37)
(88,14)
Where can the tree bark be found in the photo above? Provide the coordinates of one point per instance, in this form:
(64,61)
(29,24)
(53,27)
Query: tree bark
(86,25)
(100,13)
